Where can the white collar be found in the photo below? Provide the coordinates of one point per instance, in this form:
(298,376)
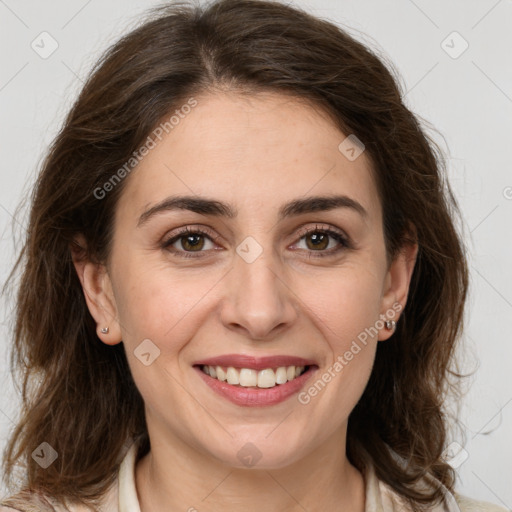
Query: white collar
(128,500)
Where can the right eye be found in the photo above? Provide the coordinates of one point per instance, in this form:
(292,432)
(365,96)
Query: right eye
(190,240)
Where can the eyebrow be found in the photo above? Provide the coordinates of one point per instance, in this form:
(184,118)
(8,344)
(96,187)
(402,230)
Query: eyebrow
(206,206)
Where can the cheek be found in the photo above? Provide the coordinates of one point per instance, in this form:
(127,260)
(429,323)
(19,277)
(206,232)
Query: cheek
(345,310)
(156,303)
(344,303)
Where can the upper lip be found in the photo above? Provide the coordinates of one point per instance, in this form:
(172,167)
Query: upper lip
(255,363)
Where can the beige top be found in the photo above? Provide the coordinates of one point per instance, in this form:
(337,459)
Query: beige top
(122,496)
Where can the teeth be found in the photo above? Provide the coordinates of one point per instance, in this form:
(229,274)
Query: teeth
(232,375)
(247,377)
(266,378)
(221,374)
(281,377)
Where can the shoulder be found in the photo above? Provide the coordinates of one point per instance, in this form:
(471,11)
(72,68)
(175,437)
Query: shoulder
(470,505)
(17,504)
(26,501)
(388,500)
(36,501)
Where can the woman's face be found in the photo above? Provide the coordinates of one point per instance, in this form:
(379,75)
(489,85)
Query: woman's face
(265,281)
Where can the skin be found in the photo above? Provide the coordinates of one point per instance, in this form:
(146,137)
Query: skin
(255,154)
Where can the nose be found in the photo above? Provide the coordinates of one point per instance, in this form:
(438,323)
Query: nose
(259,303)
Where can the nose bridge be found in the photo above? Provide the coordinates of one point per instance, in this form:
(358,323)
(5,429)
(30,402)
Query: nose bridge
(258,299)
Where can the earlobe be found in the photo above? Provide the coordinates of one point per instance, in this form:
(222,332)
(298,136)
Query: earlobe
(396,288)
(98,293)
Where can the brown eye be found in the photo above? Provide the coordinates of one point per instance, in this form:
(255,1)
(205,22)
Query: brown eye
(192,242)
(319,240)
(188,241)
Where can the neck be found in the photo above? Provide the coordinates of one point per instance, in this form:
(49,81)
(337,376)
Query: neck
(175,476)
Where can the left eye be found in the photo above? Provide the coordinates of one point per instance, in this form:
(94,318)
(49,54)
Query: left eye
(318,240)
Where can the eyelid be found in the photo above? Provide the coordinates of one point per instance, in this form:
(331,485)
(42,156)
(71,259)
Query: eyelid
(175,235)
(326,228)
(333,232)
(344,241)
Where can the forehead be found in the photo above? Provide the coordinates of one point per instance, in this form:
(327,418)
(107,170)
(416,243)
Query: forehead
(251,151)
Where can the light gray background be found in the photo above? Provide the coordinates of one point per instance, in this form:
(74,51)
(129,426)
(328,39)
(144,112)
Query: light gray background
(468,99)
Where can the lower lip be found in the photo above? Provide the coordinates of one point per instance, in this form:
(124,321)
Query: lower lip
(257,397)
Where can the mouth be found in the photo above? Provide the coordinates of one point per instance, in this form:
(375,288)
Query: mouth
(251,378)
(267,381)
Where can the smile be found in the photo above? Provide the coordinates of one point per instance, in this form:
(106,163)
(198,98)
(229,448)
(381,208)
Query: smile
(251,382)
(248,377)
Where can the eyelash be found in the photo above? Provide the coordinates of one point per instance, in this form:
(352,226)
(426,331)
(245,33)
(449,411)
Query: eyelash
(201,231)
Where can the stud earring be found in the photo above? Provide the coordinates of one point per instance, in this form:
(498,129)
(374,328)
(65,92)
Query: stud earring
(390,325)
(104,330)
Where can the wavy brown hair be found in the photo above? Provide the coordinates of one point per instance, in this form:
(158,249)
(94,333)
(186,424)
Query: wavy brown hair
(78,393)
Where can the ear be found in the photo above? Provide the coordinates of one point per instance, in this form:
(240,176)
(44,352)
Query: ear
(396,286)
(98,292)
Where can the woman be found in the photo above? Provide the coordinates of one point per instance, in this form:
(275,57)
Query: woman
(242,285)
